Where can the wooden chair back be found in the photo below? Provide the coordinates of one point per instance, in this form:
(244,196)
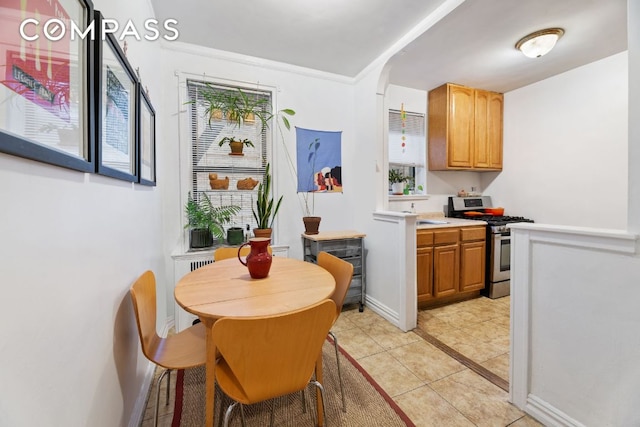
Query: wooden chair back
(181,350)
(231,252)
(270,356)
(143,295)
(342,272)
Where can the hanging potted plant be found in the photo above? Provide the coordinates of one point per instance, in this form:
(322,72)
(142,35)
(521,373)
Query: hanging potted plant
(205,221)
(235,144)
(264,211)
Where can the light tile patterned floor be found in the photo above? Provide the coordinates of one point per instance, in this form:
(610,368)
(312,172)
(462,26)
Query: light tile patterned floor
(432,388)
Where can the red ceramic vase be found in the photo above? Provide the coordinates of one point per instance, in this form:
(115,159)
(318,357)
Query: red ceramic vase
(259,259)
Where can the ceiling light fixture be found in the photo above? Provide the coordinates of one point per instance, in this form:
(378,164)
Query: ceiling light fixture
(539,43)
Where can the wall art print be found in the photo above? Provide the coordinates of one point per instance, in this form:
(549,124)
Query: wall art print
(116,147)
(319,160)
(46,85)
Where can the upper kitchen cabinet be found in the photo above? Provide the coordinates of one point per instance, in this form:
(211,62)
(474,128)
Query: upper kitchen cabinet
(465,128)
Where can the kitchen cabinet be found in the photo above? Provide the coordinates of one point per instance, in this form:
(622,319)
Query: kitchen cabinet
(450,264)
(465,128)
(347,245)
(473,252)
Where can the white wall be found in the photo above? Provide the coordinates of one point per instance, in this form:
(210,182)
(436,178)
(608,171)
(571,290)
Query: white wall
(565,148)
(72,244)
(574,342)
(322,101)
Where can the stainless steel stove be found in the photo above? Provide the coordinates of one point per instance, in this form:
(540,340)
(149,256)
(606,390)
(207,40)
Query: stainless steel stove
(498,259)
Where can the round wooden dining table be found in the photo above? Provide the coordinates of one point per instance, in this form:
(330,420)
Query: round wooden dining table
(225,289)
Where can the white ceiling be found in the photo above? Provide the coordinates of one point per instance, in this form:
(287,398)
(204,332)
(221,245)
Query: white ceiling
(472,45)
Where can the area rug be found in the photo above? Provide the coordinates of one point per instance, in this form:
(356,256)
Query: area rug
(367,404)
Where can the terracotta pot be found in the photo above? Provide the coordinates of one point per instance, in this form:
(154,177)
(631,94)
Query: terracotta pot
(311,224)
(262,232)
(259,259)
(236,148)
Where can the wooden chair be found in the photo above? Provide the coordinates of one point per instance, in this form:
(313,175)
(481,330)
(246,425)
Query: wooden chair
(342,272)
(183,350)
(232,252)
(271,356)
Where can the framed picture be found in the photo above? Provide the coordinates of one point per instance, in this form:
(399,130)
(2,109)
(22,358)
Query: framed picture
(147,138)
(47,83)
(116,149)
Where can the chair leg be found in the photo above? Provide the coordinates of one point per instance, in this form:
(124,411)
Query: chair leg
(335,345)
(303,398)
(155,415)
(324,401)
(168,387)
(228,414)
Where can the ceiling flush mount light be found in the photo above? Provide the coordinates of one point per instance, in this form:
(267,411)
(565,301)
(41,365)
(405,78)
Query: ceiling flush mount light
(539,43)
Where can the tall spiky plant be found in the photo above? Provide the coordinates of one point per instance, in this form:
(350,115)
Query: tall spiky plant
(264,211)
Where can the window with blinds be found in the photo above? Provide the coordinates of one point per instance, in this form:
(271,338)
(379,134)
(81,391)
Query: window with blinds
(208,158)
(409,158)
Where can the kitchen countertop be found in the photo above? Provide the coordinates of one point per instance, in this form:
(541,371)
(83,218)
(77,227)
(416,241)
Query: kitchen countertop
(451,222)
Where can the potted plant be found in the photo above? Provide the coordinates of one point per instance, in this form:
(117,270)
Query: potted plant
(206,221)
(235,144)
(235,236)
(397,180)
(265,211)
(238,107)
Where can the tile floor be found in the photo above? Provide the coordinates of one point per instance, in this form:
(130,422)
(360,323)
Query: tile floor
(431,387)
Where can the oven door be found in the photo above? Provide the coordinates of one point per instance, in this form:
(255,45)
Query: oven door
(501,257)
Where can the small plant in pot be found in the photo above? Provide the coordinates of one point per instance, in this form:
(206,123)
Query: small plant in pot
(397,180)
(236,145)
(206,221)
(265,211)
(235,236)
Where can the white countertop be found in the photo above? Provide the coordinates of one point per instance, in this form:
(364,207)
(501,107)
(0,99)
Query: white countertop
(451,222)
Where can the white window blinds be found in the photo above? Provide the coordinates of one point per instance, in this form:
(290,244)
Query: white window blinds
(207,157)
(413,153)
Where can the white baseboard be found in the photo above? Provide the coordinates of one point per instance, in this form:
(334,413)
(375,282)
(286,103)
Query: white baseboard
(377,307)
(549,415)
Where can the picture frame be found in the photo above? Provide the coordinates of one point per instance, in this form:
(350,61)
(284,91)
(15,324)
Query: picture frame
(116,101)
(146,133)
(47,95)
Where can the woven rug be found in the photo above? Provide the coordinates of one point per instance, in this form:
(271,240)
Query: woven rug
(367,404)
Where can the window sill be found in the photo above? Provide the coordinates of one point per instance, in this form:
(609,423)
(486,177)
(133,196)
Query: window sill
(393,197)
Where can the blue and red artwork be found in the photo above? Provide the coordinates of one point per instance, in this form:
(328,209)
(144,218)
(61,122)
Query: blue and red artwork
(319,160)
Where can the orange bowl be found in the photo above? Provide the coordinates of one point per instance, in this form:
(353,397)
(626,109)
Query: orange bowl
(494,211)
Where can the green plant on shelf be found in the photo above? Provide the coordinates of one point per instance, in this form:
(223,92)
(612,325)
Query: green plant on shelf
(204,216)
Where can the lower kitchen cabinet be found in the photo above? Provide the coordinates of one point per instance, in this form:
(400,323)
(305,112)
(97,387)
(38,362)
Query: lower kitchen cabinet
(424,266)
(472,266)
(446,260)
(473,253)
(450,264)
